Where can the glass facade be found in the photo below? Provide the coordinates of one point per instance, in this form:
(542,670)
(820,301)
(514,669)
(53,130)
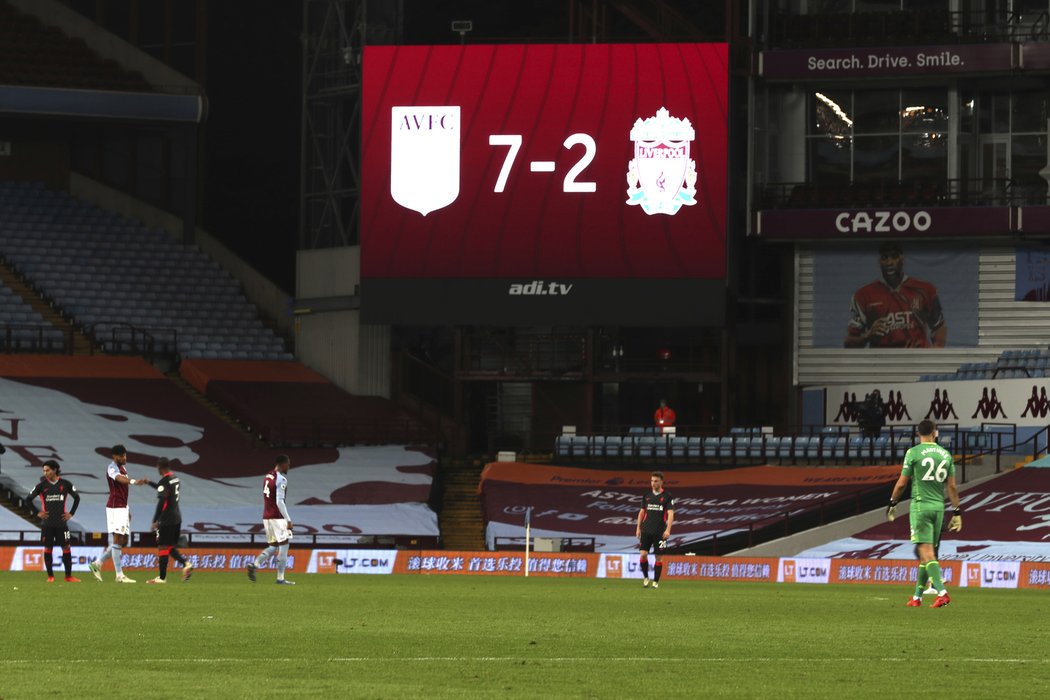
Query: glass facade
(987,141)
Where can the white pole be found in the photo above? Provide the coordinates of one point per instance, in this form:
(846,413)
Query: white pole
(528,538)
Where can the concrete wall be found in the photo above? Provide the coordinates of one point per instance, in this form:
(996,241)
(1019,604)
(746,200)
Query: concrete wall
(352,355)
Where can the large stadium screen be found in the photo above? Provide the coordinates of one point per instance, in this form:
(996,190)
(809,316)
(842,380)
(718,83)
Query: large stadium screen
(544,184)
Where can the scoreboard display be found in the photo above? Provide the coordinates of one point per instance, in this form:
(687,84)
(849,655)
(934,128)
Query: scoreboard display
(544,184)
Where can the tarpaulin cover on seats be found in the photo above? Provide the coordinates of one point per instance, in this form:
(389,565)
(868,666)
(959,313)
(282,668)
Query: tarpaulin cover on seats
(75,409)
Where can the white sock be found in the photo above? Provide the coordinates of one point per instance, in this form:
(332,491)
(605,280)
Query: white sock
(282,561)
(118,552)
(264,555)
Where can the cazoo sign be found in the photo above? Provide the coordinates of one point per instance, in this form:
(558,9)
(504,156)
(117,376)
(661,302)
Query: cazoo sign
(883,221)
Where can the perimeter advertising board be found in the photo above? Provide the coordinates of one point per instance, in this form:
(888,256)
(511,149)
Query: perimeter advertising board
(624,565)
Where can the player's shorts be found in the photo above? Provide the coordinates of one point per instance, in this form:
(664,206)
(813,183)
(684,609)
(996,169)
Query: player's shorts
(651,541)
(277,531)
(168,535)
(54,536)
(118,520)
(926,525)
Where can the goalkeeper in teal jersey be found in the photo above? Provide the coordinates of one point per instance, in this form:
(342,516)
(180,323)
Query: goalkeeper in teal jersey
(930,468)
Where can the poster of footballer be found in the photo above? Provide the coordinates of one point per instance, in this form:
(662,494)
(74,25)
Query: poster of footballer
(895,294)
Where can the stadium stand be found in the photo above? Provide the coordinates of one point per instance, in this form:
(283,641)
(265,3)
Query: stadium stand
(79,406)
(130,288)
(23,329)
(41,56)
(1011,364)
(288,404)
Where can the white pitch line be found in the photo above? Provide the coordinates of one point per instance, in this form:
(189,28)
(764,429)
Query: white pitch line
(519,659)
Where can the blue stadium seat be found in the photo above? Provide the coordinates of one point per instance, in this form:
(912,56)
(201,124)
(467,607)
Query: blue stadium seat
(812,447)
(579,446)
(597,445)
(562,443)
(882,448)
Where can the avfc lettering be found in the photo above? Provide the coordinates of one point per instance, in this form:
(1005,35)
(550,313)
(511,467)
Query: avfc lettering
(428,121)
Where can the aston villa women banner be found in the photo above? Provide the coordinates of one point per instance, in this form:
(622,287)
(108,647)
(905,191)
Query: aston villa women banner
(1004,519)
(604,505)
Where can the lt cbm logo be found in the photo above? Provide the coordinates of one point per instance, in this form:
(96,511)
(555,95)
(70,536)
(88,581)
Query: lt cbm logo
(662,177)
(424,157)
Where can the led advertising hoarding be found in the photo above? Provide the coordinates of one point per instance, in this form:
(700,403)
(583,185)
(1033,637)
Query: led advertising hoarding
(544,184)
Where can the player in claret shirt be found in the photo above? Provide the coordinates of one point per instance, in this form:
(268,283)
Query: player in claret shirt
(118,515)
(276,521)
(167,522)
(53,493)
(654,527)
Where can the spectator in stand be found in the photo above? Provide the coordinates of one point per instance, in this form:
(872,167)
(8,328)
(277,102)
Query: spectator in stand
(663,417)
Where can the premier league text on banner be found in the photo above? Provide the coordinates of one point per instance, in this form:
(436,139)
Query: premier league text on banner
(544,184)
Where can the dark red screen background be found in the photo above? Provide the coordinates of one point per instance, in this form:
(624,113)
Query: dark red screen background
(533,230)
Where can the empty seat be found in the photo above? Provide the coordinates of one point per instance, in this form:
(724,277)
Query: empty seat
(612,446)
(580,446)
(562,443)
(645,446)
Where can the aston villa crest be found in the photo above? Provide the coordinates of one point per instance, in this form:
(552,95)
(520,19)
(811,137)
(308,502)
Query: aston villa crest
(424,157)
(662,177)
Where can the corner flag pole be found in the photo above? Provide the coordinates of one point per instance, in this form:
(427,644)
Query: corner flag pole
(528,537)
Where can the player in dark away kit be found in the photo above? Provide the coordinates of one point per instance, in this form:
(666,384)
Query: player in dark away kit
(167,522)
(654,527)
(53,493)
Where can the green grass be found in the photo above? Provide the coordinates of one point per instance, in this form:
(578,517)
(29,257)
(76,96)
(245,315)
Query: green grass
(465,637)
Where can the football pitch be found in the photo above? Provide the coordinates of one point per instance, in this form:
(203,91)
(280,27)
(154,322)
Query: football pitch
(220,636)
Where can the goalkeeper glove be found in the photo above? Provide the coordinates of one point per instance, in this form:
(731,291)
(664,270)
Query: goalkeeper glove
(955,524)
(891,510)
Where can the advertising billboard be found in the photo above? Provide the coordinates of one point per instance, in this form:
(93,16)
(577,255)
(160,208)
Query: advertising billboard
(538,184)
